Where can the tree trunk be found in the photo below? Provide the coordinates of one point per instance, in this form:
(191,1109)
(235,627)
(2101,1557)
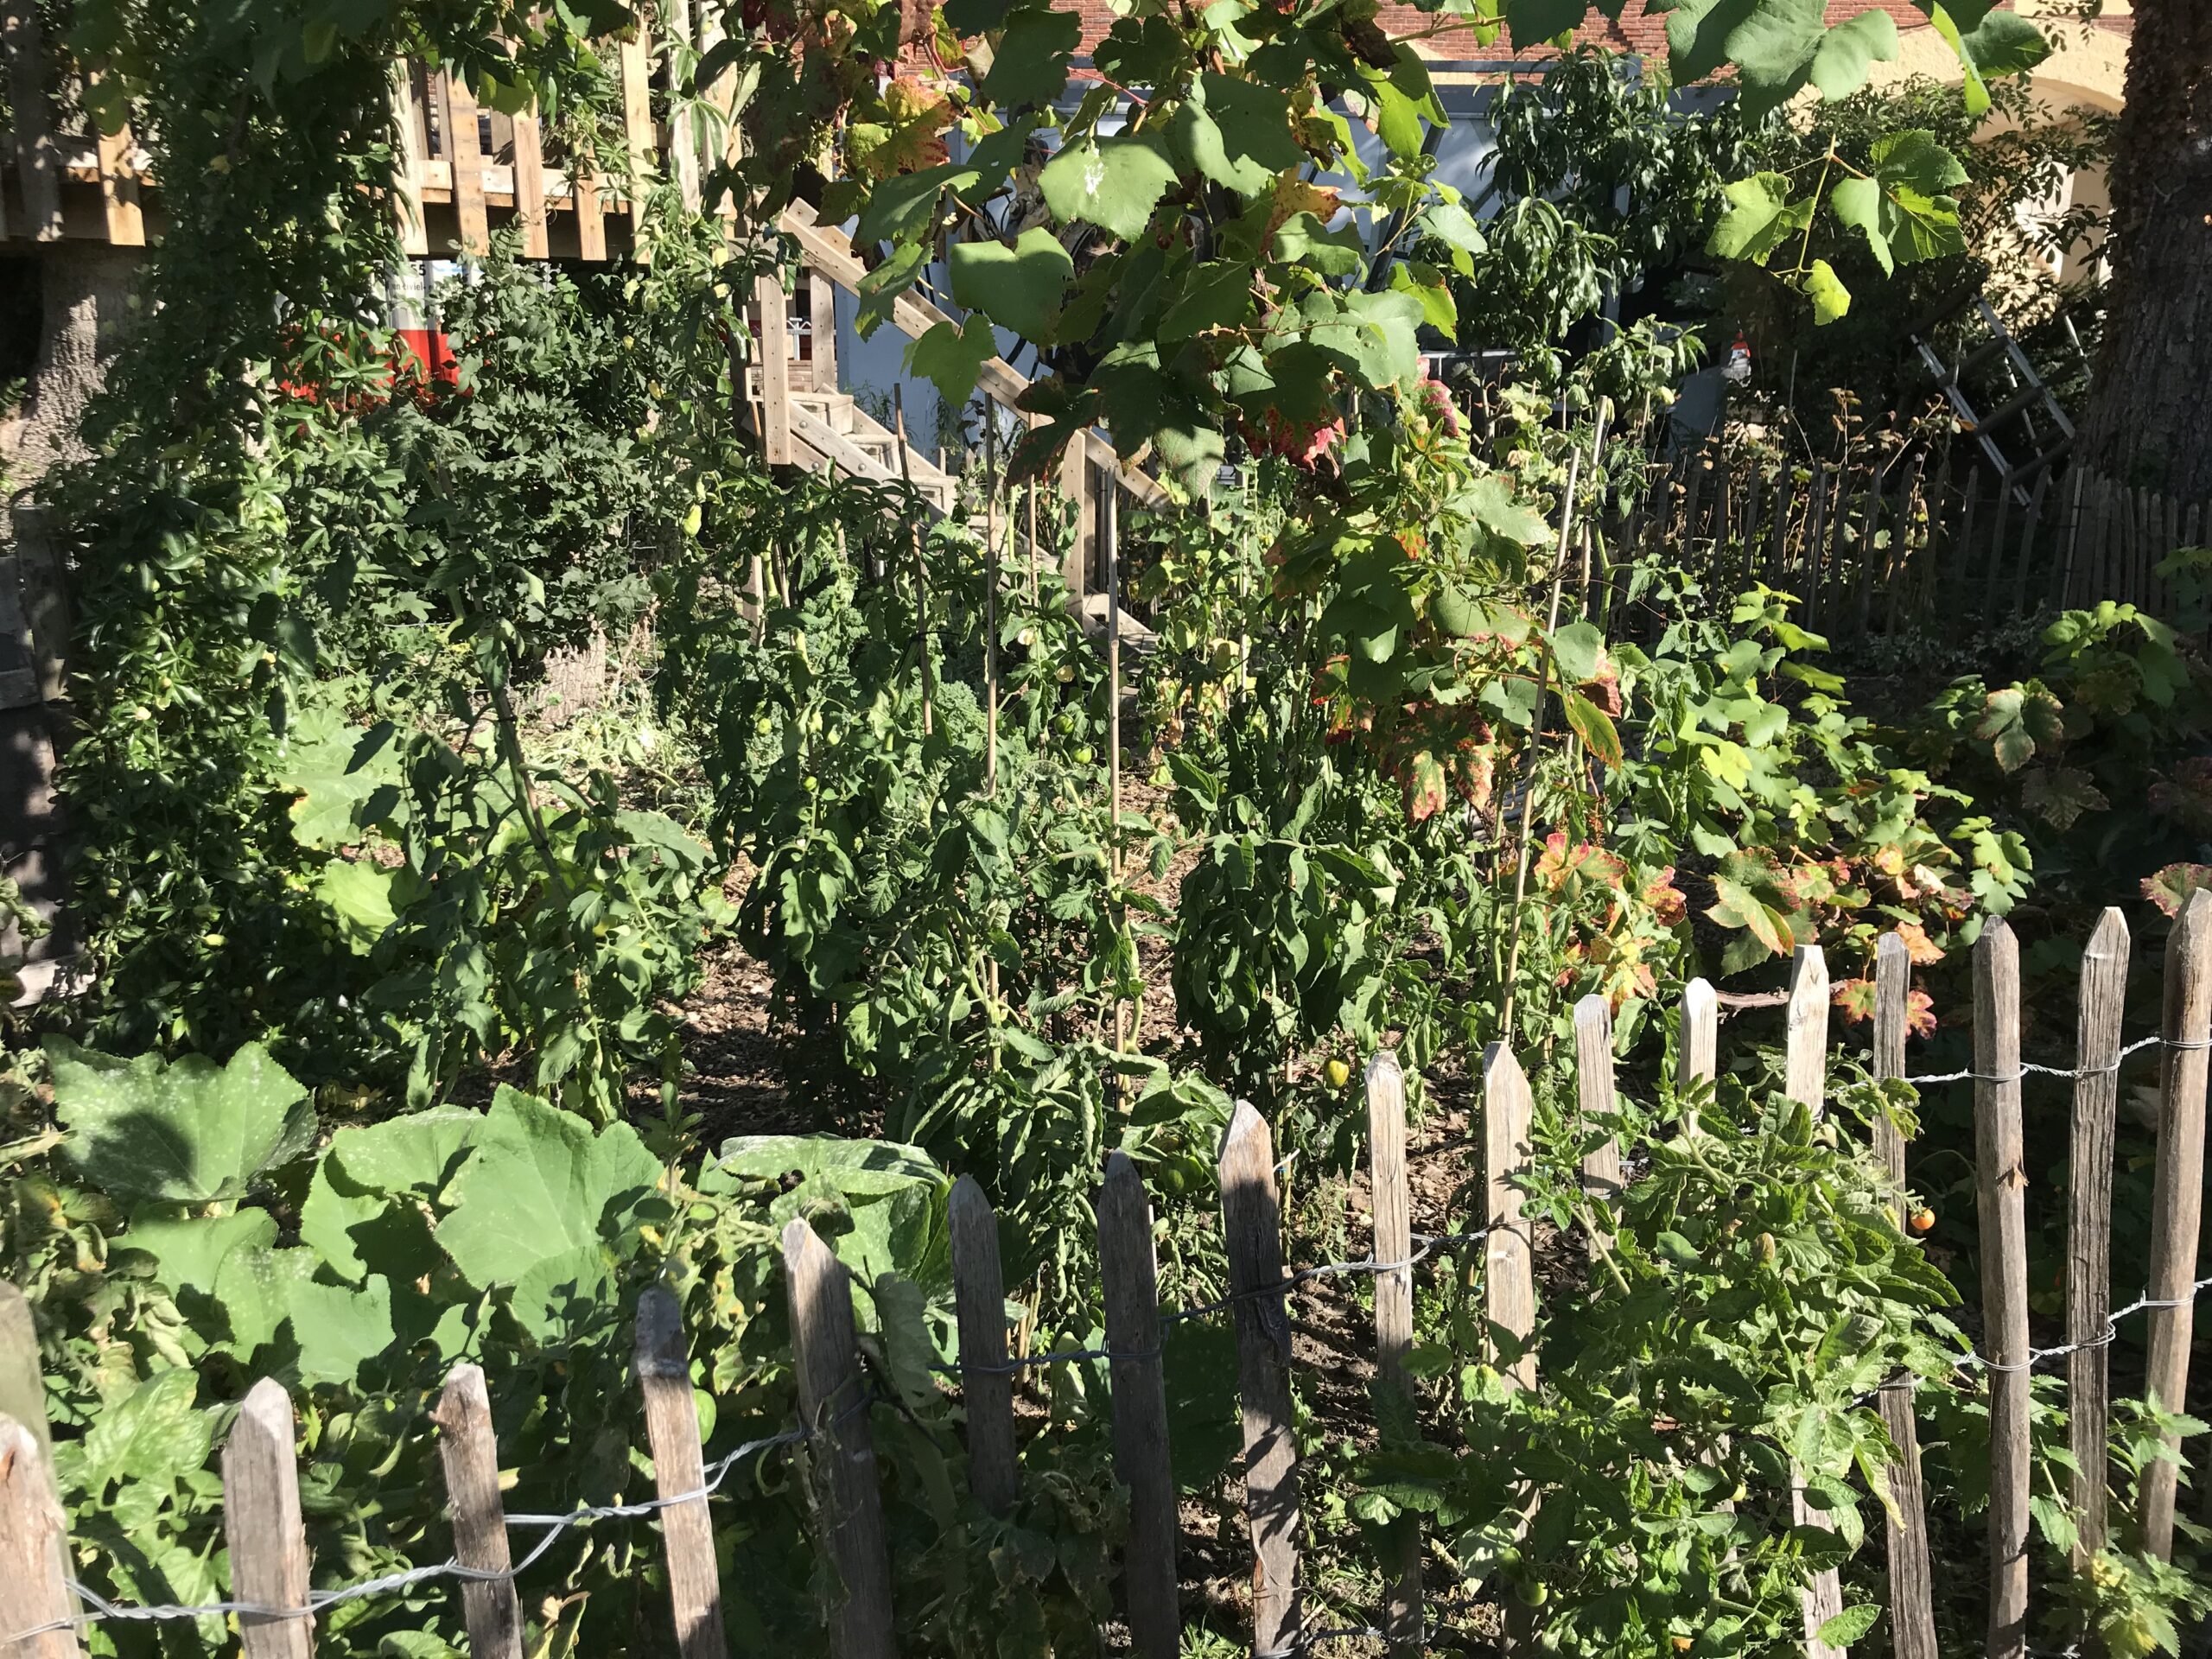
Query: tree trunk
(2150,410)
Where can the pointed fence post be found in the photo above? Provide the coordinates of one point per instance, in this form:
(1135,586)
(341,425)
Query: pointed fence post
(694,1585)
(1912,1585)
(261,1520)
(1806,1080)
(1129,1276)
(1698,1044)
(471,1458)
(2177,1200)
(1508,1281)
(2089,1231)
(833,1409)
(1251,1225)
(1394,1322)
(1593,1079)
(979,1291)
(34,1547)
(2000,1198)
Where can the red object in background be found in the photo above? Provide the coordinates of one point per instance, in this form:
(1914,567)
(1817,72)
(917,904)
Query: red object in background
(434,353)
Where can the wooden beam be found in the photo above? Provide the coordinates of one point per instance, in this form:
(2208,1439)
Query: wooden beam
(411,148)
(466,148)
(38,159)
(530,186)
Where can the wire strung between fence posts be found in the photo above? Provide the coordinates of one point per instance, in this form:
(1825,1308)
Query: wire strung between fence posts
(391,1583)
(2028,1067)
(1430,1243)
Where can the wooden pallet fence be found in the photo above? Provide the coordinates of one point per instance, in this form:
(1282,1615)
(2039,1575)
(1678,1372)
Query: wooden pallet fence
(270,1569)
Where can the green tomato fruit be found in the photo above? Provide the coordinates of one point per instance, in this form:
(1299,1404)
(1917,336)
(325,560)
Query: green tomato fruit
(1532,1593)
(1082,755)
(1339,1073)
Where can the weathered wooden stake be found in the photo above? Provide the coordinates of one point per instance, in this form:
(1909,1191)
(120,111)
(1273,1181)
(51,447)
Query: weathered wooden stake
(694,1587)
(1912,1588)
(1698,1044)
(34,1548)
(990,599)
(1251,1225)
(261,1519)
(1129,1274)
(2177,1198)
(1508,1281)
(2088,1228)
(833,1408)
(1593,1079)
(1805,1081)
(471,1458)
(979,1288)
(2000,1198)
(921,567)
(1394,1320)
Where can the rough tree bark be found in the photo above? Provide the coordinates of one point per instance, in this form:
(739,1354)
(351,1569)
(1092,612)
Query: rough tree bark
(2150,419)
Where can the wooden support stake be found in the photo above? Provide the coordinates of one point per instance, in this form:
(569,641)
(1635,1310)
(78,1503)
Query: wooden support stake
(1805,1081)
(530,187)
(979,1290)
(694,1588)
(38,158)
(1593,1079)
(640,138)
(2000,1198)
(1912,1585)
(126,220)
(775,343)
(34,1548)
(2027,534)
(1114,684)
(1961,551)
(833,1408)
(409,148)
(2073,537)
(1509,1280)
(261,1519)
(921,567)
(2178,1197)
(470,1456)
(1394,1322)
(2088,1230)
(465,146)
(1251,1224)
(1129,1274)
(1698,1043)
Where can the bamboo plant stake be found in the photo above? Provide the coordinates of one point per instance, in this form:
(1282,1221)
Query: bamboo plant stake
(921,571)
(2089,1233)
(1113,494)
(2000,1199)
(1393,1244)
(1912,1587)
(2178,1197)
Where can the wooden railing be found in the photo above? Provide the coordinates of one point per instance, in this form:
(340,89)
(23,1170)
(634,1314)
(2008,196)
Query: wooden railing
(270,1570)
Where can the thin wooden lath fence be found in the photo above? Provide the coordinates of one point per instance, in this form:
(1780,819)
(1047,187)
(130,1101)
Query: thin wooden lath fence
(1904,541)
(276,1608)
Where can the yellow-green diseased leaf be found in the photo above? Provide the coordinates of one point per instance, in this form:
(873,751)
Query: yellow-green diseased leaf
(1018,288)
(1386,341)
(338,1327)
(951,356)
(1216,296)
(2005,43)
(1830,298)
(1430,291)
(1760,216)
(1593,725)
(1851,1625)
(156,1433)
(359,894)
(2059,795)
(1114,184)
(1739,907)
(1494,508)
(1534,22)
(1579,648)
(1850,48)
(190,1132)
(1425,787)
(903,208)
(539,1182)
(1857,203)
(1029,65)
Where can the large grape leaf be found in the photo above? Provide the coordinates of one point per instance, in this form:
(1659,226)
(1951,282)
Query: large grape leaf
(1018,288)
(950,357)
(1115,184)
(191,1132)
(1850,50)
(1760,217)
(539,1182)
(1031,63)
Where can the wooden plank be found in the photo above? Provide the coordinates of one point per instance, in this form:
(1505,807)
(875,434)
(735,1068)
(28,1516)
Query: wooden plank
(833,1406)
(38,158)
(464,142)
(1779,552)
(591,211)
(986,1387)
(1594,1082)
(1079,483)
(261,1520)
(34,1548)
(1251,1225)
(1815,525)
(2073,537)
(530,187)
(1697,1045)
(640,140)
(2027,534)
(1129,1278)
(410,146)
(683,141)
(1508,1282)
(1393,1244)
(2102,998)
(2178,1197)
(773,340)
(1912,1585)
(1996,547)
(1930,557)
(22,1391)
(2000,1194)
(821,303)
(126,220)
(1961,551)
(694,1588)
(1806,1037)
(471,1458)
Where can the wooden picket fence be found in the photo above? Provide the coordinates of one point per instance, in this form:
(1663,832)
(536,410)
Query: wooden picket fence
(270,1569)
(1904,541)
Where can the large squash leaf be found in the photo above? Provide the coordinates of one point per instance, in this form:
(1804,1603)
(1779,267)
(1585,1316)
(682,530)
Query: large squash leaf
(192,1132)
